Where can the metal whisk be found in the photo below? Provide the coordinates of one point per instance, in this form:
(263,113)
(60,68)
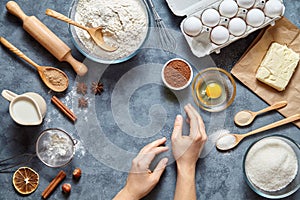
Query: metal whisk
(167,40)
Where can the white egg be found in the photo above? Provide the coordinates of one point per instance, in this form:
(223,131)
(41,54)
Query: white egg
(210,17)
(192,26)
(273,8)
(245,3)
(255,17)
(237,26)
(228,8)
(219,35)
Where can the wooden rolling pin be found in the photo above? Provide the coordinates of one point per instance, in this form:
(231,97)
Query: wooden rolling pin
(46,38)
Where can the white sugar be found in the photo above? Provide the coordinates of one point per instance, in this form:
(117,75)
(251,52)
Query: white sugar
(271,164)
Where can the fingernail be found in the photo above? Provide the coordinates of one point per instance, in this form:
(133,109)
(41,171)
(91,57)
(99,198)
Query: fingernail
(178,117)
(165,161)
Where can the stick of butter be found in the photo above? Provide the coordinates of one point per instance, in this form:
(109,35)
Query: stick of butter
(278,66)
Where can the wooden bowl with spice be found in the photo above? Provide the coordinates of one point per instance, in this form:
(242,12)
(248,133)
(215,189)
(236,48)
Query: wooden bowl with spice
(177,74)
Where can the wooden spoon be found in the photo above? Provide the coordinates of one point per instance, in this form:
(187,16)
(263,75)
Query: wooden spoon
(245,117)
(229,141)
(54,78)
(95,33)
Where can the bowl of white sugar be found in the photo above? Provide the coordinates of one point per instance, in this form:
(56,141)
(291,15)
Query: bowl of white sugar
(125,25)
(271,167)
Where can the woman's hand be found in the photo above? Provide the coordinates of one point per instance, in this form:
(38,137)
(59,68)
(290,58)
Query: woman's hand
(186,149)
(141,180)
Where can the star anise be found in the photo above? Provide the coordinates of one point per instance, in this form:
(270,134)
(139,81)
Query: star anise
(81,88)
(82,102)
(97,88)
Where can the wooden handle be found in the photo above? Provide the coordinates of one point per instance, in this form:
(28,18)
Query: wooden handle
(78,67)
(275,124)
(15,9)
(19,53)
(59,16)
(273,107)
(42,34)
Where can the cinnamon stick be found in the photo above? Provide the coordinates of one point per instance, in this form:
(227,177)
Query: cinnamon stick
(50,188)
(62,107)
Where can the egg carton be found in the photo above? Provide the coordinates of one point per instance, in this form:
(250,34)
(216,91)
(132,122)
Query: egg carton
(211,25)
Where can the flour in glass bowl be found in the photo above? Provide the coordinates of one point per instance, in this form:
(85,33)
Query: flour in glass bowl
(125,22)
(271,164)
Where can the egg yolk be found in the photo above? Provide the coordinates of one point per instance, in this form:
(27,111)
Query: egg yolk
(213,90)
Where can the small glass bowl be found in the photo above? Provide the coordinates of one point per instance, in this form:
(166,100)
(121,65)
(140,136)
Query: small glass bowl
(95,57)
(220,77)
(170,86)
(290,188)
(55,147)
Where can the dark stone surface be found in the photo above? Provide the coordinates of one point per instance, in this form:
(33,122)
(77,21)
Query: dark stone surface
(106,145)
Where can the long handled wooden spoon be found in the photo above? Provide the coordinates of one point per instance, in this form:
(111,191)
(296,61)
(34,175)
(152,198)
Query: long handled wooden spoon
(47,38)
(229,141)
(54,78)
(95,33)
(245,117)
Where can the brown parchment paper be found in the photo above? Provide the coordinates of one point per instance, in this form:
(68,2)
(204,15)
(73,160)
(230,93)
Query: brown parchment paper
(283,32)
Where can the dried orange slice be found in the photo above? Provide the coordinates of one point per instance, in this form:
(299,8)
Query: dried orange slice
(25,180)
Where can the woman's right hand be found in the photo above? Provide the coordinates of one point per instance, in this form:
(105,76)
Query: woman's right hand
(186,149)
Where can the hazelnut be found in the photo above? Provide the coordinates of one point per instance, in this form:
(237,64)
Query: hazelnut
(77,173)
(66,188)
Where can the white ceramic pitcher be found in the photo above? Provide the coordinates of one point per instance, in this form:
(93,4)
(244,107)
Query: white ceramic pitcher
(26,109)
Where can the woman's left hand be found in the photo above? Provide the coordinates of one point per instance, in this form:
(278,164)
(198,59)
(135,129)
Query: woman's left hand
(141,180)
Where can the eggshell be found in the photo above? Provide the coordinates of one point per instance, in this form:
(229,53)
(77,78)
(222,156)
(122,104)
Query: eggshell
(210,17)
(237,26)
(273,8)
(219,35)
(192,26)
(245,3)
(228,8)
(255,17)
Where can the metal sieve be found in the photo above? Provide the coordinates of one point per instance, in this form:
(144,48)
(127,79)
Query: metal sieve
(54,147)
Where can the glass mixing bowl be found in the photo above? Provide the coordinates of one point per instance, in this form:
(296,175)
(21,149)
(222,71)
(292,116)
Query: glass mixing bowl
(99,55)
(291,187)
(214,89)
(55,147)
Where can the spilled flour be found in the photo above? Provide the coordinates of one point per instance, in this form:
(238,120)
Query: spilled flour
(125,25)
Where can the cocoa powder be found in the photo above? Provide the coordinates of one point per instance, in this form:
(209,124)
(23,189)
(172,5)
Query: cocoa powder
(177,73)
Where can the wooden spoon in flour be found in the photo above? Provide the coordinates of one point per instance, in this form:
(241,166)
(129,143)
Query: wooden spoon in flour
(95,33)
(54,78)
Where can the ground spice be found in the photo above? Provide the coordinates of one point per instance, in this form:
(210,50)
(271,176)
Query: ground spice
(177,73)
(56,78)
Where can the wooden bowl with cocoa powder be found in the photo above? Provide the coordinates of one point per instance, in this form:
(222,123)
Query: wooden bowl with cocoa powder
(177,74)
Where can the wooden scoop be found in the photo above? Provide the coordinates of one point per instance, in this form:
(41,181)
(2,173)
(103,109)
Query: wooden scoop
(95,33)
(54,78)
(245,117)
(47,38)
(229,141)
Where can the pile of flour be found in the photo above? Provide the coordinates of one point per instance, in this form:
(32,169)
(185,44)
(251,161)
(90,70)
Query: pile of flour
(271,164)
(125,22)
